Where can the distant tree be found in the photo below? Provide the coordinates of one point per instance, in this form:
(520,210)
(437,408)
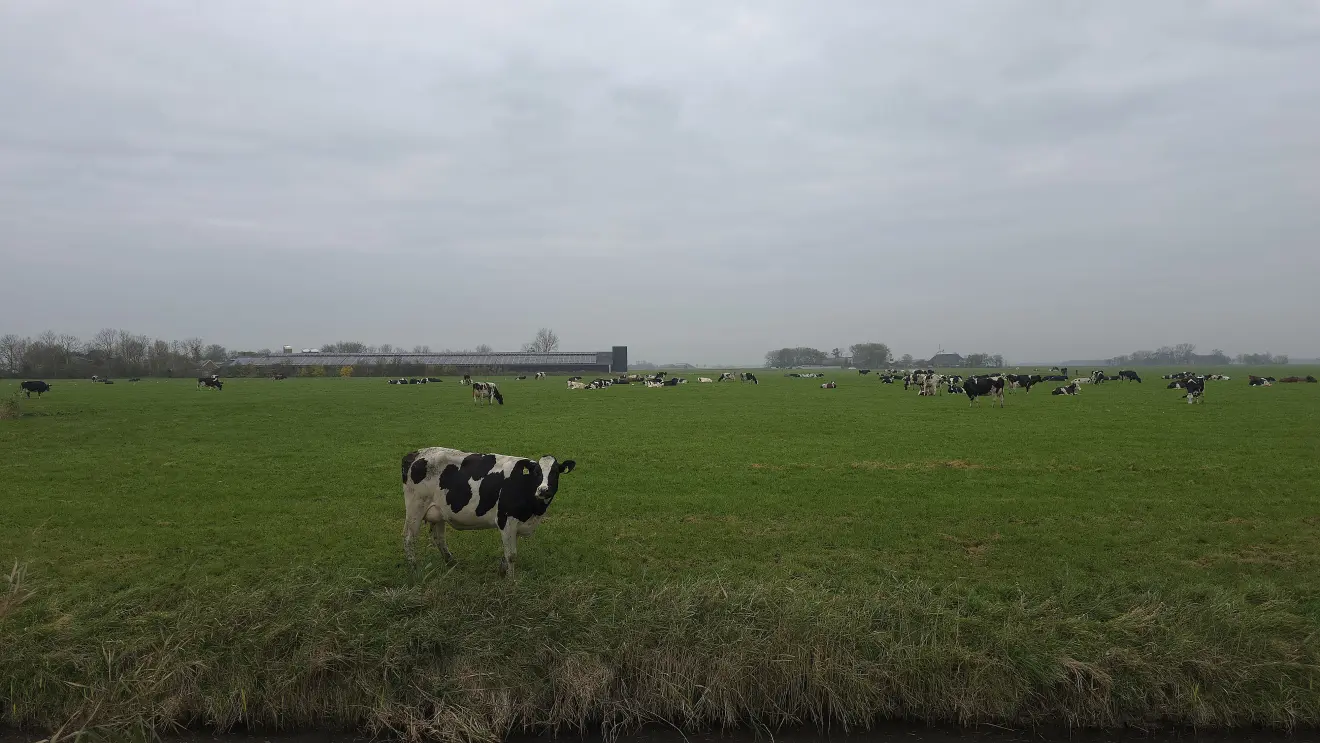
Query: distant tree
(386,348)
(214,352)
(421,349)
(789,357)
(345,371)
(544,342)
(836,353)
(871,355)
(906,360)
(483,348)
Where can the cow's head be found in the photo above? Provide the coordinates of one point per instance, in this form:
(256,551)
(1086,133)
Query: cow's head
(546,472)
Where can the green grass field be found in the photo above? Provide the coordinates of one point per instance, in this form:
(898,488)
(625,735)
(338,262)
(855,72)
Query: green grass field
(723,554)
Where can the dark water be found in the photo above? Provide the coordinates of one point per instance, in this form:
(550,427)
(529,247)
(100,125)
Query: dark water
(885,734)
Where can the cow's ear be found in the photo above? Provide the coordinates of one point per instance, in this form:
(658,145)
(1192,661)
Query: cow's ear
(567,466)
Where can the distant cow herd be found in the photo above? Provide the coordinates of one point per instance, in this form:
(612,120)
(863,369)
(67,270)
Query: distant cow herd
(927,382)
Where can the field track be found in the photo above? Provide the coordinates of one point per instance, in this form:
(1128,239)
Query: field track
(724,554)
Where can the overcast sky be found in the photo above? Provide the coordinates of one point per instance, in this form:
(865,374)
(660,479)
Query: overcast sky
(700,181)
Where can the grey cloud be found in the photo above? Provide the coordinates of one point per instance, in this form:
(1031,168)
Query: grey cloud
(699,181)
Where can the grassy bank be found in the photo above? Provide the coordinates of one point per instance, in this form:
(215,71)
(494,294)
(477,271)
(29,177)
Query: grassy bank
(724,554)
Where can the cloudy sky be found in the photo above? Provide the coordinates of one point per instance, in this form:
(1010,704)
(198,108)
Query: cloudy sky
(700,181)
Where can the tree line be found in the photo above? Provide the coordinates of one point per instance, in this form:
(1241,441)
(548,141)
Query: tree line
(865,356)
(120,353)
(1184,354)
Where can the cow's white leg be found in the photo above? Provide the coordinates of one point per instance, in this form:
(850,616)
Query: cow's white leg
(510,537)
(438,539)
(412,523)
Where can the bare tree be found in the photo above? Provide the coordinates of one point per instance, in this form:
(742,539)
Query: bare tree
(194,346)
(12,350)
(483,348)
(386,348)
(544,342)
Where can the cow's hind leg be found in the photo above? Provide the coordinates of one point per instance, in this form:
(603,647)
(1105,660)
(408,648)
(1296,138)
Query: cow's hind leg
(509,534)
(438,539)
(412,523)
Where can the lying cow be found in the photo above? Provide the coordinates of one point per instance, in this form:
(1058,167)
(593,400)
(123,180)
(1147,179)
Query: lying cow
(705,380)
(36,386)
(1290,380)
(978,387)
(572,385)
(1071,389)
(829,385)
(486,391)
(477,491)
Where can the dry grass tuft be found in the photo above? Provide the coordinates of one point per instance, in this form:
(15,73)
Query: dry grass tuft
(10,409)
(14,592)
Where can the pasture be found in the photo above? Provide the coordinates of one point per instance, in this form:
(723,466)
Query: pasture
(724,554)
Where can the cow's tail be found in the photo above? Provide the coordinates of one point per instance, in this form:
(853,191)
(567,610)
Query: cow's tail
(495,391)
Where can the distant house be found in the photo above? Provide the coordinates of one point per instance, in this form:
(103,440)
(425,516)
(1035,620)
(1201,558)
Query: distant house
(945,360)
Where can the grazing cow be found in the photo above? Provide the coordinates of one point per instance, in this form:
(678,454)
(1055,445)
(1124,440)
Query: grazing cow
(202,381)
(829,385)
(572,385)
(540,375)
(705,380)
(1310,379)
(36,386)
(977,387)
(1071,389)
(863,371)
(467,379)
(1129,376)
(1195,389)
(486,391)
(750,377)
(211,382)
(447,487)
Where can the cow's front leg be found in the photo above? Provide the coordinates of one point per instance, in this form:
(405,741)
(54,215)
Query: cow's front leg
(509,534)
(438,539)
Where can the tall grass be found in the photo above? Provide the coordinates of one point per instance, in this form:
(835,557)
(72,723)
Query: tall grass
(447,660)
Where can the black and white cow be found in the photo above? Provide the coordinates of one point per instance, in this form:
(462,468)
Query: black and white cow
(467,379)
(863,371)
(1195,389)
(540,375)
(1071,389)
(36,386)
(727,377)
(521,376)
(750,377)
(977,387)
(829,385)
(671,382)
(211,382)
(477,491)
(1128,375)
(486,391)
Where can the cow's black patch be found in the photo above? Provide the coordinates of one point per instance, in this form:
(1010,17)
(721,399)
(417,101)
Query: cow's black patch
(457,490)
(418,470)
(490,491)
(457,481)
(407,463)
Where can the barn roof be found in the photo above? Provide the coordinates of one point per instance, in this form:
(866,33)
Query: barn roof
(516,358)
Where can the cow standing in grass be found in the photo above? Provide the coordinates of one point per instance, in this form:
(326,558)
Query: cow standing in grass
(477,491)
(486,391)
(36,386)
